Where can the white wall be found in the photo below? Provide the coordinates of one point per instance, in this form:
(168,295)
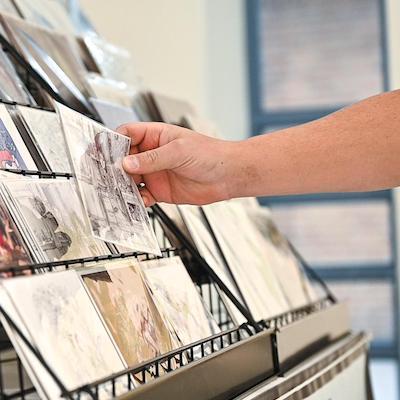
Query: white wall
(192,49)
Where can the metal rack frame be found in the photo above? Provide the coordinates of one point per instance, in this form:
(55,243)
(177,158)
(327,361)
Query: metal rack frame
(256,342)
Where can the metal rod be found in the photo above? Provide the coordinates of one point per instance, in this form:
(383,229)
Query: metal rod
(82,261)
(312,272)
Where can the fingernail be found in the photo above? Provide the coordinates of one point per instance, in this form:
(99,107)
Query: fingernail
(131,163)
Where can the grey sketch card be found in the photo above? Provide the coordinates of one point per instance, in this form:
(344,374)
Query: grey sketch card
(110,197)
(45,130)
(50,215)
(61,322)
(177,299)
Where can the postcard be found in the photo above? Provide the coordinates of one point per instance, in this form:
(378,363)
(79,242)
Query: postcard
(129,311)
(256,278)
(12,248)
(45,129)
(52,215)
(57,313)
(177,299)
(13,151)
(277,252)
(209,250)
(11,86)
(110,197)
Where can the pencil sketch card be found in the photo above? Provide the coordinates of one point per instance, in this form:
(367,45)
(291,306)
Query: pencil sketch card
(50,215)
(111,199)
(129,311)
(177,299)
(257,280)
(45,130)
(64,326)
(13,151)
(13,251)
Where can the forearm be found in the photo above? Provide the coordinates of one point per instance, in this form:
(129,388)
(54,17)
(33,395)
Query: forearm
(355,149)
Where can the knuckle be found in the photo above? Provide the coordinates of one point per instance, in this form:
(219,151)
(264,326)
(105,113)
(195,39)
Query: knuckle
(152,156)
(179,145)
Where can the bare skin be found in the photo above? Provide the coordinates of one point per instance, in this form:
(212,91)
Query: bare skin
(354,149)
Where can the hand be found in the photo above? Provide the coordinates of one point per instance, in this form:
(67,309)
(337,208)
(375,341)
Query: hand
(178,165)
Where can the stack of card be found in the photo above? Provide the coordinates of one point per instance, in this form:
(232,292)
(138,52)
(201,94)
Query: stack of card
(50,218)
(91,324)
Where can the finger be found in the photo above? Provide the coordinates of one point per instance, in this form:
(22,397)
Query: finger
(155,160)
(137,179)
(143,133)
(147,197)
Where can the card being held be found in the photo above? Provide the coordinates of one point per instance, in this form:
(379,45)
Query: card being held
(110,197)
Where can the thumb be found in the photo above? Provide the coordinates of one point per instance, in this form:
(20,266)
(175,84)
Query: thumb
(159,159)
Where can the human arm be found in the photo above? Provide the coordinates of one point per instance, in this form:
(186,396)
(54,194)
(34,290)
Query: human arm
(354,149)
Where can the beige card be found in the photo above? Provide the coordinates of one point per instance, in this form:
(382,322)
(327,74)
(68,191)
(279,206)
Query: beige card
(129,311)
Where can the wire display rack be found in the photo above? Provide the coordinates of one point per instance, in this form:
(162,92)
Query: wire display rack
(210,286)
(210,290)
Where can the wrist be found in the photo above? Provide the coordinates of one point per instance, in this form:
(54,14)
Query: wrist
(241,170)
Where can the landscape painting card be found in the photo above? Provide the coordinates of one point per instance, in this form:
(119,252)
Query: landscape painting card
(177,299)
(13,151)
(51,212)
(63,325)
(208,249)
(110,197)
(129,311)
(255,277)
(45,130)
